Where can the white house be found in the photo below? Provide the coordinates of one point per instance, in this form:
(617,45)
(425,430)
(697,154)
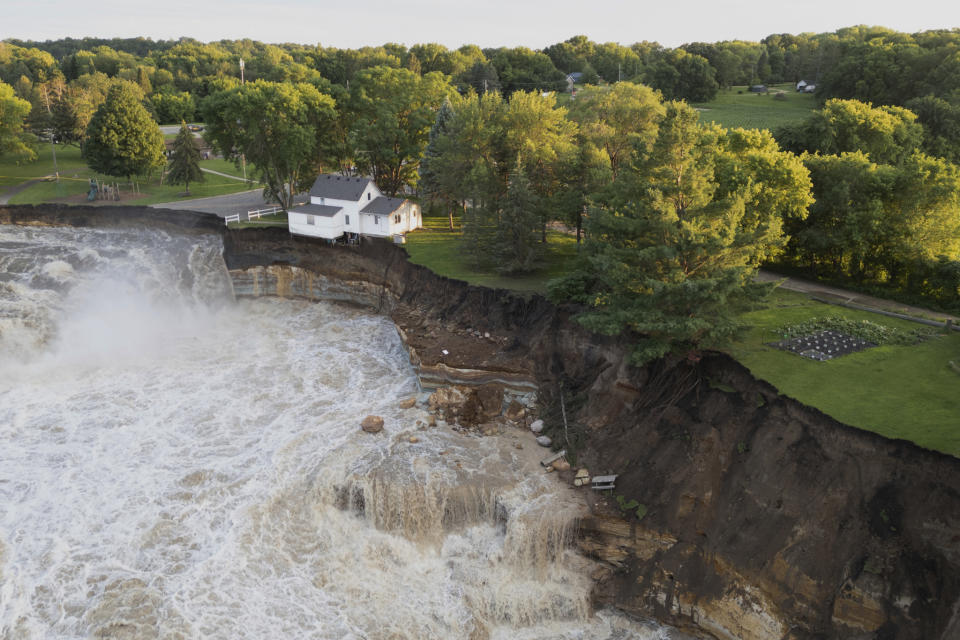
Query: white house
(344,205)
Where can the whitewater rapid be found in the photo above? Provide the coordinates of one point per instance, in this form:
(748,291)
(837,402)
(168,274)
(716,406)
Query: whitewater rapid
(175,463)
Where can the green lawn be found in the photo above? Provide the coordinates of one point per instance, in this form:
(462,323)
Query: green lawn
(737,107)
(276,220)
(907,392)
(226,166)
(68,162)
(439,249)
(75,175)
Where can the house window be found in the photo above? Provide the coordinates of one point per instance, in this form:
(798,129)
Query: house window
(396,218)
(310,220)
(368,195)
(376,220)
(346,219)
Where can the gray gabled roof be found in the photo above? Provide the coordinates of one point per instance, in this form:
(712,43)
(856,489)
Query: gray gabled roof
(328,185)
(324,210)
(383,205)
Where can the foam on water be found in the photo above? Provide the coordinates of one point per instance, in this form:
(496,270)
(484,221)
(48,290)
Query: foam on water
(178,465)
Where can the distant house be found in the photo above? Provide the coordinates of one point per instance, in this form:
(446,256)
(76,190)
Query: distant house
(573,78)
(758,88)
(352,207)
(801,85)
(810,88)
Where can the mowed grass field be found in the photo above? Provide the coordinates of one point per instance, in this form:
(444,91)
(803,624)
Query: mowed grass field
(68,161)
(737,107)
(438,248)
(75,176)
(907,392)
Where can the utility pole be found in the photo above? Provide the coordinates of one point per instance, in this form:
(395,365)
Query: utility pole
(53,147)
(243,156)
(484,85)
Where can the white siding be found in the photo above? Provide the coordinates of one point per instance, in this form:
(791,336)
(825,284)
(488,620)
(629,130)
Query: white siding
(409,213)
(349,218)
(374,224)
(328,227)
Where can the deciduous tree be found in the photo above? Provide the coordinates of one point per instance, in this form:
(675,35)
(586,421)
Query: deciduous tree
(13,140)
(393,111)
(886,134)
(279,127)
(122,137)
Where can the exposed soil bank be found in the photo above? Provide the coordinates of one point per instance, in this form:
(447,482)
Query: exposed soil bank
(765,518)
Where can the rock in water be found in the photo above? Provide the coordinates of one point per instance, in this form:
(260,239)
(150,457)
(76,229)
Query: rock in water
(536,426)
(544,441)
(408,403)
(372,424)
(582,478)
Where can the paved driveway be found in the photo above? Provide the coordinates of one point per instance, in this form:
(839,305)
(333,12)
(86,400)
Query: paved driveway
(843,295)
(222,206)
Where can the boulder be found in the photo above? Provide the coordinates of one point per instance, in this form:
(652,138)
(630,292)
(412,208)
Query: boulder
(544,441)
(515,411)
(372,424)
(449,399)
(482,404)
(408,403)
(536,426)
(560,465)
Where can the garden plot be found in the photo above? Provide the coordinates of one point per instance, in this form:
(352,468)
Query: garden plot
(824,345)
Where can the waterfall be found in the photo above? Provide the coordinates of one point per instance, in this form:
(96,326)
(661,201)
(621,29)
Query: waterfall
(176,463)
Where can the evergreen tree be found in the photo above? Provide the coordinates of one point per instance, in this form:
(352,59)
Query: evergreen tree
(432,171)
(122,138)
(666,258)
(516,247)
(185,159)
(481,77)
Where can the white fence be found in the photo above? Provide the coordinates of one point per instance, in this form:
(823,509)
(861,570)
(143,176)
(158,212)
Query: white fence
(256,214)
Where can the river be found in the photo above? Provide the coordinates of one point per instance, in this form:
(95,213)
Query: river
(175,463)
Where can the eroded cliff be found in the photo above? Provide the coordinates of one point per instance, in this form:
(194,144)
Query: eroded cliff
(762,518)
